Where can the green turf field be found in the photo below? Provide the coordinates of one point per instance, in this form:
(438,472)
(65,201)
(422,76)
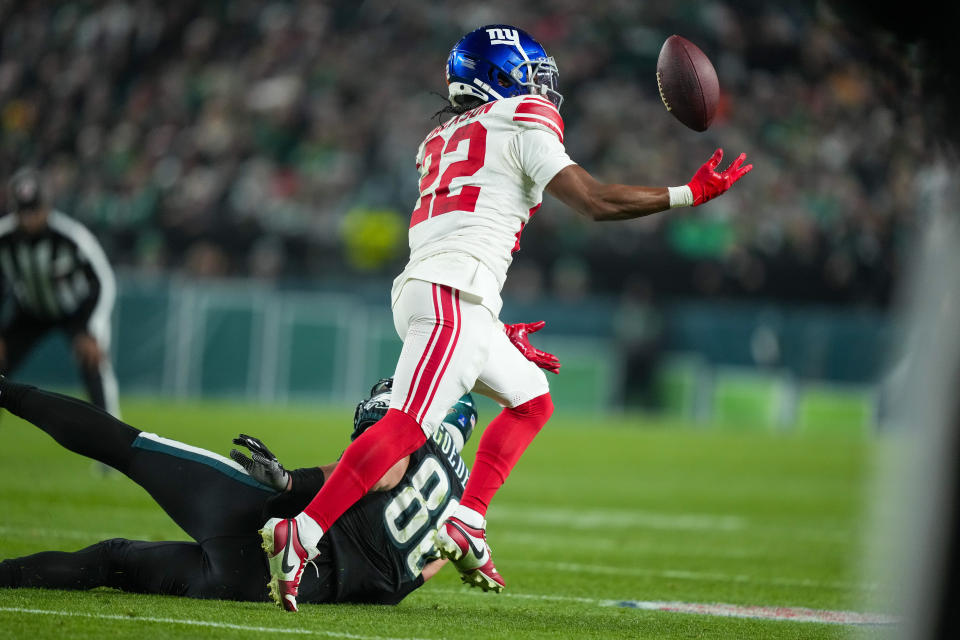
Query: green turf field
(630,509)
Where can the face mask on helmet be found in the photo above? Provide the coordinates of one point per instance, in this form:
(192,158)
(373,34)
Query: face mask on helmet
(546,77)
(539,77)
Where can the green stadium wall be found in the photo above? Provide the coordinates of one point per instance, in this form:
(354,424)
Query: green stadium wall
(249,340)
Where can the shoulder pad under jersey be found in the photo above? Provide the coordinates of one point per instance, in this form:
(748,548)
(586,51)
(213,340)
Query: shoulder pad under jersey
(537,112)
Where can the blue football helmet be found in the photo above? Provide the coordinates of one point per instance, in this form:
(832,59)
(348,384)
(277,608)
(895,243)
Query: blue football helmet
(459,422)
(500,61)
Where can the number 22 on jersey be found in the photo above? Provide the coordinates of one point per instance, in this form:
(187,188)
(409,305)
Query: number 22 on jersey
(435,196)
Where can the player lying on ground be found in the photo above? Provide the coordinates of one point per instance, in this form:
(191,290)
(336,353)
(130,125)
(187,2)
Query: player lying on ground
(482,175)
(380,550)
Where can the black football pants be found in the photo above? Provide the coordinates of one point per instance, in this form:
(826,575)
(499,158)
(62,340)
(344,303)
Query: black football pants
(22,334)
(214,504)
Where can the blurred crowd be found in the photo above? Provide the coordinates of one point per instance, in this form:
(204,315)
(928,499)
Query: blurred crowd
(277,140)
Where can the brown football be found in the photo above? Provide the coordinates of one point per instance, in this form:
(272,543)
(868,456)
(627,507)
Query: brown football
(688,83)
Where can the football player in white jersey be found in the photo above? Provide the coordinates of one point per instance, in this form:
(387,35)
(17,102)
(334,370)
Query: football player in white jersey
(482,175)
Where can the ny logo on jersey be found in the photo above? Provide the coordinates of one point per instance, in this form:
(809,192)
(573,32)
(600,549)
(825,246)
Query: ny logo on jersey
(504,36)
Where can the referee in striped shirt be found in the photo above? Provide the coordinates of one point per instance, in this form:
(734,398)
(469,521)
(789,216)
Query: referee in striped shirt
(55,276)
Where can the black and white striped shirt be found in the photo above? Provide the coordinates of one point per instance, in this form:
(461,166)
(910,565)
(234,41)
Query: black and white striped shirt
(60,275)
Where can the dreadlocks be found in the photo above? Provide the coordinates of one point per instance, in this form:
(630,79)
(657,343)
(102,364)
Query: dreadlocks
(464,104)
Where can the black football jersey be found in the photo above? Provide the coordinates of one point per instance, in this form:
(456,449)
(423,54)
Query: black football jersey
(380,545)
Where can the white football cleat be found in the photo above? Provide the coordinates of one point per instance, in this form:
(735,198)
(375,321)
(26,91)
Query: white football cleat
(467,548)
(287,555)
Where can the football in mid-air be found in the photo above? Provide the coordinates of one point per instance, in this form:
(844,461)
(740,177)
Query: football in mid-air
(688,83)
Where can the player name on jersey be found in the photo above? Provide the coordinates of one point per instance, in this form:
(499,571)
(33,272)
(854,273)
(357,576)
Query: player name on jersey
(460,119)
(445,441)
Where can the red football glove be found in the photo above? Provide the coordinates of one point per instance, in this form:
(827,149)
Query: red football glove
(518,336)
(707,184)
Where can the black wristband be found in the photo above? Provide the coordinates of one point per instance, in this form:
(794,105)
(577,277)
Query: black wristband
(305,483)
(11,395)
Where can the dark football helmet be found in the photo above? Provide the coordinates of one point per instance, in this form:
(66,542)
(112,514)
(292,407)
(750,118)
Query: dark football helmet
(459,422)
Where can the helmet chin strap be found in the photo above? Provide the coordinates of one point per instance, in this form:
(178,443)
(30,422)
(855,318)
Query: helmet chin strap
(486,87)
(462,89)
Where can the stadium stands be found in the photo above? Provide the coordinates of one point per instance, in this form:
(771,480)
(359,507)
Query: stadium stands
(235,138)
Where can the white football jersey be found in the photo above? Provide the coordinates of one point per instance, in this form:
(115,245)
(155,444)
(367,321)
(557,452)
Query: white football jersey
(482,176)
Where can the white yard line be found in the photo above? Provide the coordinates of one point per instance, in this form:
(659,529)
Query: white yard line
(793,614)
(622,547)
(790,614)
(196,623)
(656,520)
(606,518)
(570,567)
